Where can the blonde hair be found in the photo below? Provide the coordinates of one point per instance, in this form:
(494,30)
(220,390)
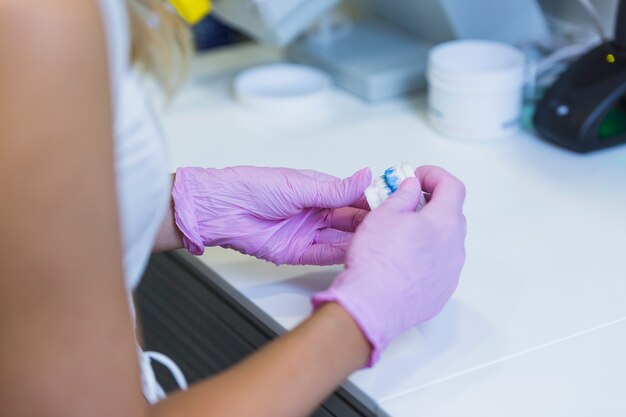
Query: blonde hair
(161,42)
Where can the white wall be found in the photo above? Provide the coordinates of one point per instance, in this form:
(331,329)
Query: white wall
(571,11)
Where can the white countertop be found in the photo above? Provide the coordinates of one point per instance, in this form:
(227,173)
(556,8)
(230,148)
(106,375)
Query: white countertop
(538,323)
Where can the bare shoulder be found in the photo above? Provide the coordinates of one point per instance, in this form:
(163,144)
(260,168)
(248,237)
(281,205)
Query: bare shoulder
(54,61)
(55,90)
(54,30)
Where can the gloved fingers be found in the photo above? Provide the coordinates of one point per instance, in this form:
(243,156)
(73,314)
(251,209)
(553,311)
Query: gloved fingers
(361,203)
(322,193)
(405,199)
(324,254)
(317,175)
(333,236)
(447,191)
(346,218)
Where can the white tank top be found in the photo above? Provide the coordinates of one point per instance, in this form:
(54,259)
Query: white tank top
(140,153)
(141,169)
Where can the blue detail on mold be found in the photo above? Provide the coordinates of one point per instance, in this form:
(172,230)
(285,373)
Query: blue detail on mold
(392,180)
(388,190)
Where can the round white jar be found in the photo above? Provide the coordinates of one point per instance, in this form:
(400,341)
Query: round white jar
(475,88)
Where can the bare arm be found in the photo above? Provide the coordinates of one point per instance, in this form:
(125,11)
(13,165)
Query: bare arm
(287,378)
(67,339)
(168,237)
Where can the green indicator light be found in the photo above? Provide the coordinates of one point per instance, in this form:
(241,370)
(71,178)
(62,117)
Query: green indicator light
(610,58)
(614,124)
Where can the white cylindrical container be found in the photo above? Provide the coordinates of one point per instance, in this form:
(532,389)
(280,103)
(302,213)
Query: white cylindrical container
(475,88)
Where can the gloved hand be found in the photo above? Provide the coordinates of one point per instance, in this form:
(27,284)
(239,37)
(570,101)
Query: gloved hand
(282,215)
(402,266)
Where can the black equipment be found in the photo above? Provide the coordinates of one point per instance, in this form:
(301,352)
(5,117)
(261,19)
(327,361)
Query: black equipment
(586,108)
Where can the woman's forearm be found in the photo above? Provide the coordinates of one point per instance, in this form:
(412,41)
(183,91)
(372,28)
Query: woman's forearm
(289,377)
(169,236)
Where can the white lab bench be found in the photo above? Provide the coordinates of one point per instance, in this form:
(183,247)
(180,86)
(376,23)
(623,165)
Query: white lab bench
(538,323)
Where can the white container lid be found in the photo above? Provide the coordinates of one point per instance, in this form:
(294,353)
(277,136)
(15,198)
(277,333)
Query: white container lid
(476,64)
(283,89)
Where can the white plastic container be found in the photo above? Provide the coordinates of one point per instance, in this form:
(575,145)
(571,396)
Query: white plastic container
(475,88)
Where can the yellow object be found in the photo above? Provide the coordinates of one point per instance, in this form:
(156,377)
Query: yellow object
(610,58)
(192,11)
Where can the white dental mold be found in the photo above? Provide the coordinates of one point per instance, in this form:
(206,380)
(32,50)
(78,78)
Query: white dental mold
(385,185)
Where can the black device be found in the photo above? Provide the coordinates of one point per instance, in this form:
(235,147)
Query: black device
(585,109)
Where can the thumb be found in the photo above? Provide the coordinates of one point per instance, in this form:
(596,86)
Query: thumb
(406,198)
(340,192)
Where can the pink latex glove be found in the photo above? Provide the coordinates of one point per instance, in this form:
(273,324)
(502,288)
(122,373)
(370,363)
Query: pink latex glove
(285,216)
(402,266)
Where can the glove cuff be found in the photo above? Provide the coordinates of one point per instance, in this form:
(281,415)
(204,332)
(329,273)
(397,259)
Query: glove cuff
(184,212)
(361,315)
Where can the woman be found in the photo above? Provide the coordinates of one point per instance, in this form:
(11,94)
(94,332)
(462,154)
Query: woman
(85,199)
